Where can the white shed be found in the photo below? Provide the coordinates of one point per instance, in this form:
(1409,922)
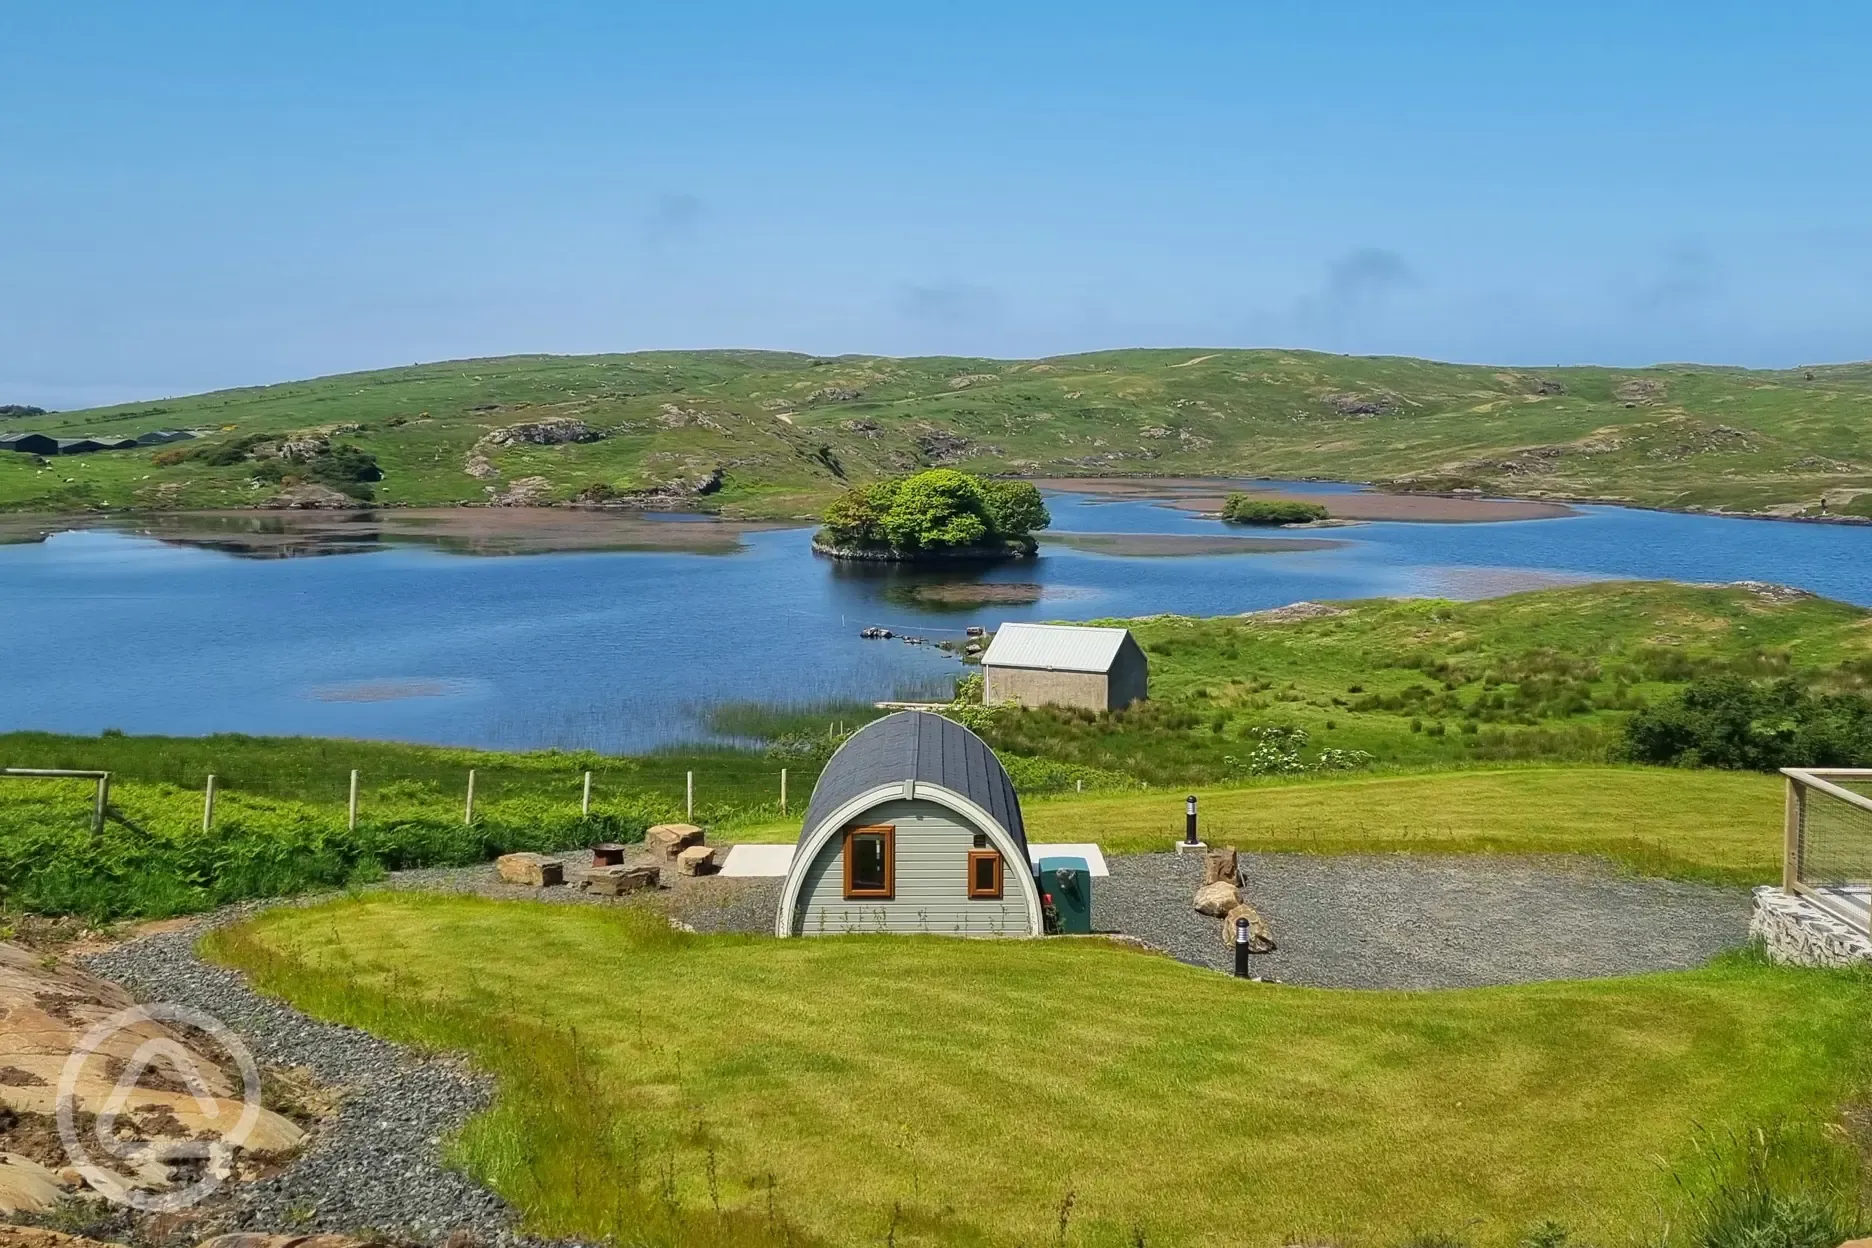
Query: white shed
(1102,669)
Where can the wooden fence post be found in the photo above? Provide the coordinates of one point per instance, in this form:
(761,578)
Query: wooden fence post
(351,804)
(585,802)
(103,803)
(468,813)
(689,799)
(207,807)
(783,791)
(1791,835)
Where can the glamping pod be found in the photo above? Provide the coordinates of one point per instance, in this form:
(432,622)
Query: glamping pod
(914,826)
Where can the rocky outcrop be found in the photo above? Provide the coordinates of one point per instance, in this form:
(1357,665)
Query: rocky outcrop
(551,431)
(145,1094)
(620,881)
(526,492)
(1348,403)
(310,496)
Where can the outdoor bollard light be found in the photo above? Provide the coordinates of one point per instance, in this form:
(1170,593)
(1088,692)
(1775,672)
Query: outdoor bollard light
(1241,948)
(1189,820)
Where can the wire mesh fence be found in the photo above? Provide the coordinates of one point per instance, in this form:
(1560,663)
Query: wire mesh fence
(1829,841)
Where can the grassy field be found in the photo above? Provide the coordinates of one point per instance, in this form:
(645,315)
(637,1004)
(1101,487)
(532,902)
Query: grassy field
(668,1088)
(1413,682)
(789,431)
(1722,827)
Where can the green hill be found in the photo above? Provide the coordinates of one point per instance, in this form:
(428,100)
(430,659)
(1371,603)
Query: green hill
(772,434)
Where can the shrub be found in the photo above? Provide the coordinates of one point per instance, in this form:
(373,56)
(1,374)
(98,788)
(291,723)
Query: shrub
(1731,722)
(1241,509)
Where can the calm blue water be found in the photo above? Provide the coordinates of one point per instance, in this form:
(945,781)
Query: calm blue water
(618,651)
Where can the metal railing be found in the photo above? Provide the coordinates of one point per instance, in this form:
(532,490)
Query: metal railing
(1827,852)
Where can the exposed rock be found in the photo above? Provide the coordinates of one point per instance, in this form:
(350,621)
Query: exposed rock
(254,1239)
(1219,864)
(1639,391)
(674,417)
(1217,899)
(620,880)
(552,431)
(1348,403)
(526,492)
(942,446)
(1260,936)
(1548,385)
(310,496)
(964,380)
(1292,612)
(143,1072)
(666,840)
(696,860)
(536,870)
(26,1186)
(1155,431)
(478,467)
(834,394)
(869,428)
(1779,595)
(40,1237)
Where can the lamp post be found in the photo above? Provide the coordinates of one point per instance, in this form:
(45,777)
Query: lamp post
(1241,948)
(1189,820)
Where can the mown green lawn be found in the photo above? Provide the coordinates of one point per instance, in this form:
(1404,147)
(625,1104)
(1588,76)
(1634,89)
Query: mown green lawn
(1712,825)
(669,1088)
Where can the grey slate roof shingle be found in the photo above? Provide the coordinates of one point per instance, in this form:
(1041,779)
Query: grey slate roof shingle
(916,745)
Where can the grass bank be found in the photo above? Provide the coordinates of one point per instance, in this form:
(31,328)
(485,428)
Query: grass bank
(1715,826)
(1551,675)
(658,1087)
(789,432)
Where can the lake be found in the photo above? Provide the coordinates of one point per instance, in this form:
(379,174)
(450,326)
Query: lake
(625,650)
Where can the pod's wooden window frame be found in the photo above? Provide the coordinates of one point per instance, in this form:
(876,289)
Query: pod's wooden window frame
(975,891)
(888,834)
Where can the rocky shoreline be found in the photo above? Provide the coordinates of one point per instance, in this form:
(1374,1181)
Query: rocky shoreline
(961,554)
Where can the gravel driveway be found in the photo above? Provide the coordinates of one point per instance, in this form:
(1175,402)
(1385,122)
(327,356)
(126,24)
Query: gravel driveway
(1398,921)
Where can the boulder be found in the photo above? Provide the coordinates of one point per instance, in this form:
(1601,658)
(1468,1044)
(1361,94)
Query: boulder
(1219,864)
(1260,936)
(26,1186)
(1218,898)
(257,1239)
(535,870)
(696,860)
(666,840)
(40,1237)
(620,880)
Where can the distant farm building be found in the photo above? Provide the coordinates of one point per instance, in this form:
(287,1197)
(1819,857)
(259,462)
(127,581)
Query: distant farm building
(913,826)
(159,437)
(29,443)
(1100,669)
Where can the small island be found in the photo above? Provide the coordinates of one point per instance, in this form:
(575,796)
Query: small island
(934,516)
(1240,508)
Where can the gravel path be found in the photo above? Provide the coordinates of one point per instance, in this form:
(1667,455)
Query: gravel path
(377,1162)
(1429,922)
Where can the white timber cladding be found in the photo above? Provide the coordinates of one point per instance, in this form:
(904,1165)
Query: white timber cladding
(1055,647)
(935,830)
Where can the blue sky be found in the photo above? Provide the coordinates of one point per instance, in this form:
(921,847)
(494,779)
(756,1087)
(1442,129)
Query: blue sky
(200,195)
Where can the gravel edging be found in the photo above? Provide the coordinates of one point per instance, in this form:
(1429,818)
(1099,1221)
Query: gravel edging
(375,1164)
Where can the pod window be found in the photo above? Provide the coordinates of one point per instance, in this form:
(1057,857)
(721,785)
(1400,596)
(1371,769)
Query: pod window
(984,874)
(871,863)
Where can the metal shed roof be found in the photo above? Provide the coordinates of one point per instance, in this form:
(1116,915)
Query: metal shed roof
(1056,647)
(916,745)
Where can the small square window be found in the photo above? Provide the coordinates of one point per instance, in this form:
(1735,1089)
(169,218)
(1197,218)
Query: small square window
(984,875)
(870,866)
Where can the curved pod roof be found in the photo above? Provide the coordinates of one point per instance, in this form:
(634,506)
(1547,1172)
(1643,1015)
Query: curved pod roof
(917,747)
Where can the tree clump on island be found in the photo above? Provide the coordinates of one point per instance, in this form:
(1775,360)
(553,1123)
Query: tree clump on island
(1243,509)
(941,512)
